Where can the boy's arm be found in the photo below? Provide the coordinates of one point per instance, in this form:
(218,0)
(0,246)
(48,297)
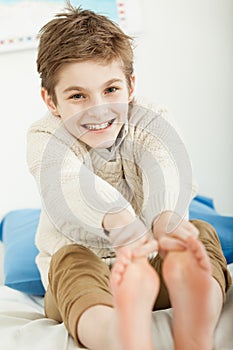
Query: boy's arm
(168,185)
(72,195)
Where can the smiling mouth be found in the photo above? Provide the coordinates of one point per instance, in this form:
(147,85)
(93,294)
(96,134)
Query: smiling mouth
(101,126)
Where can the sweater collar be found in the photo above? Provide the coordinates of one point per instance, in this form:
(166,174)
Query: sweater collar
(110,153)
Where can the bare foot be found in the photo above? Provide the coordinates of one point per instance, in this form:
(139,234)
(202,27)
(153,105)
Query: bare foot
(195,296)
(135,286)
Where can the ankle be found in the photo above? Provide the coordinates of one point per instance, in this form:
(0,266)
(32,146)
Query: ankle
(100,322)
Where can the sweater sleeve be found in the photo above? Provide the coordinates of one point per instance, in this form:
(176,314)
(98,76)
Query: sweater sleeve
(165,166)
(72,195)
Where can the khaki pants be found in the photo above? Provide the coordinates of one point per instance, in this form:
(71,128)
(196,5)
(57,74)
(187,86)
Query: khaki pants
(78,279)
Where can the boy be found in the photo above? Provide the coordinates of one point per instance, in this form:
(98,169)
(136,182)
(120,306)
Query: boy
(109,188)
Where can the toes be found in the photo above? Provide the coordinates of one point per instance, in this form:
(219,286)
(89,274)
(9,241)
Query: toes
(121,260)
(117,273)
(196,247)
(119,267)
(115,280)
(198,250)
(118,270)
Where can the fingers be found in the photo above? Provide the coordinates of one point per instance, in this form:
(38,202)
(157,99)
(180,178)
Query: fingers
(176,241)
(185,230)
(146,249)
(169,243)
(127,234)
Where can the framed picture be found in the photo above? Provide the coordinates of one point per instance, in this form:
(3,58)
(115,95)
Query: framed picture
(21,20)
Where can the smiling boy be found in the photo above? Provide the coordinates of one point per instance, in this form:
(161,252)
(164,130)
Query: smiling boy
(109,188)
(99,85)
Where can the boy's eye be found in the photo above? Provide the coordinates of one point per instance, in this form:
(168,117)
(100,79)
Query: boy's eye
(111,89)
(77,96)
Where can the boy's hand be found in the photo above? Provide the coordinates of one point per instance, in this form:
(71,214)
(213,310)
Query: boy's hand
(176,239)
(141,247)
(128,235)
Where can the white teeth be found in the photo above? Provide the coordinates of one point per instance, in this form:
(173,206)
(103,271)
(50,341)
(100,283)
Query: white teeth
(97,126)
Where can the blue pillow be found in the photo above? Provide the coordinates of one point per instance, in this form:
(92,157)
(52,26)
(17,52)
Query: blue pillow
(17,232)
(203,208)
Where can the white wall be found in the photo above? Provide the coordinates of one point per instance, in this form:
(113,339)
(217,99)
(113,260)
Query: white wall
(183,61)
(20,105)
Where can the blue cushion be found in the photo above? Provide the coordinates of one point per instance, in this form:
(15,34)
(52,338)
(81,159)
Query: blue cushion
(203,208)
(17,232)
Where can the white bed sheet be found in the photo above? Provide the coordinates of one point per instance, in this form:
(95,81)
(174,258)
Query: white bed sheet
(23,325)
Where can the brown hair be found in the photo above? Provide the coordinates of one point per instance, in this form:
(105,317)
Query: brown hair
(79,35)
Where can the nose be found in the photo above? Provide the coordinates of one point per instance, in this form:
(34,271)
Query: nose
(98,110)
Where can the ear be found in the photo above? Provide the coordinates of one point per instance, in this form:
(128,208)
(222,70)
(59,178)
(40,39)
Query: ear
(132,88)
(49,102)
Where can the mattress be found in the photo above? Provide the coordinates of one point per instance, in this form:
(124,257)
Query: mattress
(23,325)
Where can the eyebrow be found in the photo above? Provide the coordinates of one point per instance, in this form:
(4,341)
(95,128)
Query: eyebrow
(80,88)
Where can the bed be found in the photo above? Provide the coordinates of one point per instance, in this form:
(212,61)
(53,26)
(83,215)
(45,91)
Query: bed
(22,321)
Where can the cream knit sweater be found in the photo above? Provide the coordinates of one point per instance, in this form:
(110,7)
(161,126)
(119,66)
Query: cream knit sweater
(147,171)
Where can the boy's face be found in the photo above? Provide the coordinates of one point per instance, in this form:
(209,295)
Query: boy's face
(92,100)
